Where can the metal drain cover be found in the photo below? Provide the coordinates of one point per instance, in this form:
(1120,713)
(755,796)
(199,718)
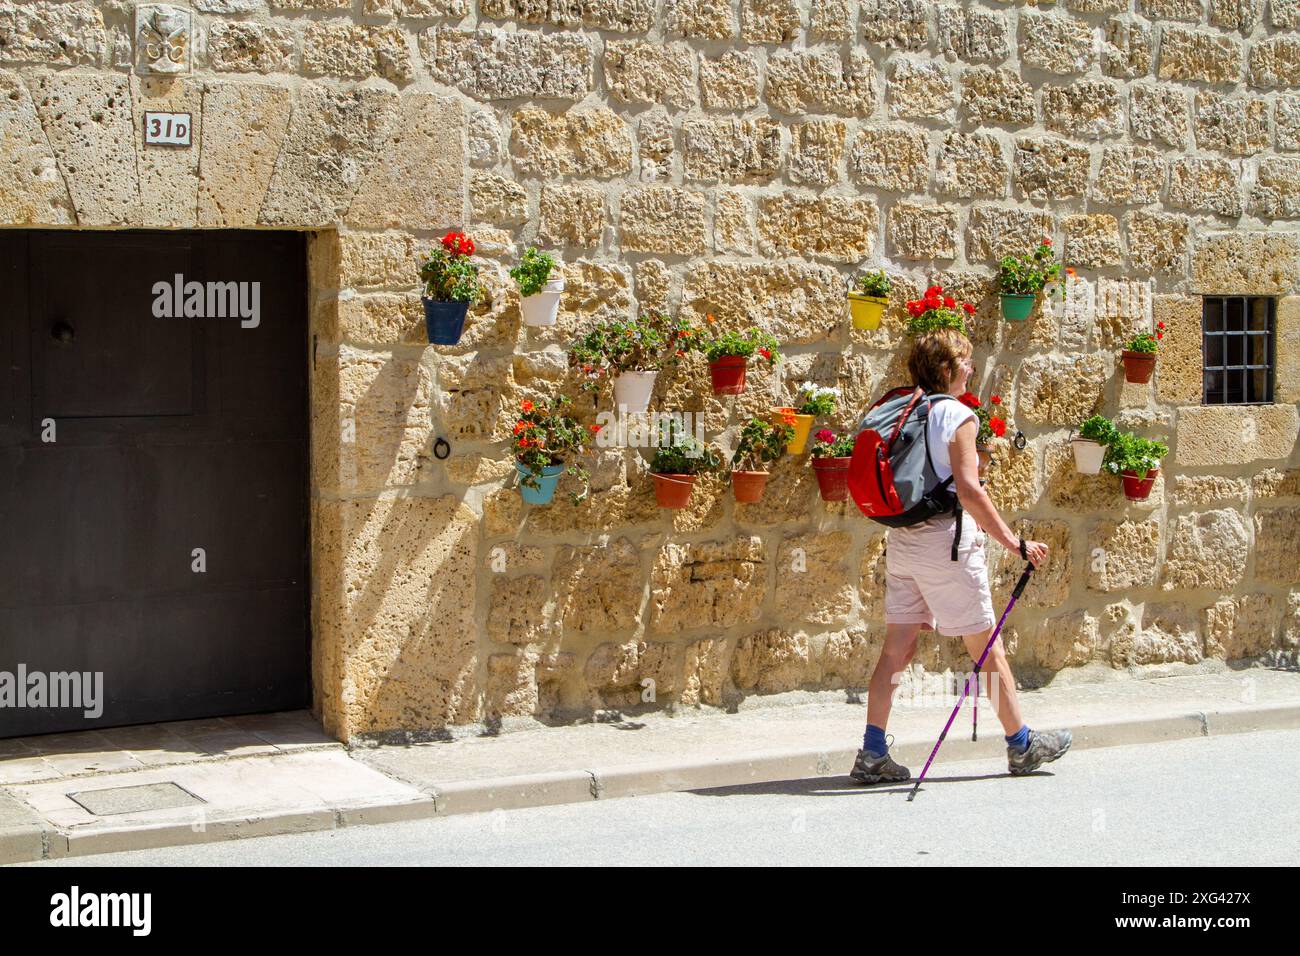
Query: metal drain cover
(149,796)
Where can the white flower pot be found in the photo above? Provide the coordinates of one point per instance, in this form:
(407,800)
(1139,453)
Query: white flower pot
(632,389)
(1088,455)
(541,309)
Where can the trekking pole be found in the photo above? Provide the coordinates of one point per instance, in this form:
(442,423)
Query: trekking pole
(975,708)
(1015,595)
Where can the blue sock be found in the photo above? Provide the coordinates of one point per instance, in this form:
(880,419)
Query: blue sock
(1020,739)
(873,742)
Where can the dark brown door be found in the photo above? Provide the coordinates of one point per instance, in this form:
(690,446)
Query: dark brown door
(153,474)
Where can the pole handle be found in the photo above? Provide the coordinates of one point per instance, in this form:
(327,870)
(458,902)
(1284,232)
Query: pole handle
(1024,580)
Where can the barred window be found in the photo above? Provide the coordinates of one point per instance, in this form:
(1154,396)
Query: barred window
(1238,347)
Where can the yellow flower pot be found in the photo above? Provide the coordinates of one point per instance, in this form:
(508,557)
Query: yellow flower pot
(802,427)
(866,310)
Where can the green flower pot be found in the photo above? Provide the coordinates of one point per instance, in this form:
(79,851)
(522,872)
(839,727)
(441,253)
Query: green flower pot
(1017,308)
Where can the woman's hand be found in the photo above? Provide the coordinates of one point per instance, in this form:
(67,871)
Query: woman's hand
(1037,552)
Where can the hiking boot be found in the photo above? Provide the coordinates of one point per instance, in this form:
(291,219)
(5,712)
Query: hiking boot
(868,768)
(1043,748)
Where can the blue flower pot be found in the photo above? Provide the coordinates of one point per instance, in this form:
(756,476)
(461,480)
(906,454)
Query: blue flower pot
(445,321)
(547,480)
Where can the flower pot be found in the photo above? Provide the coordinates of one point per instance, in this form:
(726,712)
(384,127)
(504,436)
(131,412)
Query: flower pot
(802,426)
(1017,307)
(542,308)
(748,486)
(866,310)
(444,321)
(1138,366)
(673,491)
(832,478)
(1138,488)
(983,455)
(632,391)
(728,374)
(546,482)
(1088,455)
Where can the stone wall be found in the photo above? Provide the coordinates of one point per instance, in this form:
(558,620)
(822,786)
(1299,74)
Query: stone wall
(738,157)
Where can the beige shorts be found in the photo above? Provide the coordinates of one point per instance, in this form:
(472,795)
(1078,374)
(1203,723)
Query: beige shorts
(923,585)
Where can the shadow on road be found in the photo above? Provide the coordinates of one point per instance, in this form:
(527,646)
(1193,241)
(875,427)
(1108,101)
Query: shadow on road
(842,786)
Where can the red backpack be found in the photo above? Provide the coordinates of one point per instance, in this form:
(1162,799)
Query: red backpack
(891,477)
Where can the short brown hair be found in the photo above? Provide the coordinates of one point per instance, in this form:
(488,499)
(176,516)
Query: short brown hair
(936,357)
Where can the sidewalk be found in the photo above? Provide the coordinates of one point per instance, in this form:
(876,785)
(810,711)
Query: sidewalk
(200,781)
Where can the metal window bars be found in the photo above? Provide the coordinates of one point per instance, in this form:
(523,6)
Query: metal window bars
(1239,345)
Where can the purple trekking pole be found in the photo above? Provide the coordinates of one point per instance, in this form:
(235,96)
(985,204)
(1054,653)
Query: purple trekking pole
(1015,596)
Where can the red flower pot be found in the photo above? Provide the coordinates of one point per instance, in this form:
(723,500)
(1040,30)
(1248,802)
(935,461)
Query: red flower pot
(1138,488)
(832,478)
(673,491)
(748,486)
(1138,366)
(728,374)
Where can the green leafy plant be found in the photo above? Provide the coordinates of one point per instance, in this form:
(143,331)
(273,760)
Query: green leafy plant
(817,399)
(544,437)
(990,425)
(874,284)
(1098,428)
(741,344)
(1027,276)
(646,344)
(448,274)
(1129,452)
(936,310)
(533,271)
(826,444)
(680,453)
(760,442)
(1145,342)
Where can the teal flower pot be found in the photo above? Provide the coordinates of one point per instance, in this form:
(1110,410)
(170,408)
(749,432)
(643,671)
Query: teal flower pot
(547,480)
(444,321)
(1017,308)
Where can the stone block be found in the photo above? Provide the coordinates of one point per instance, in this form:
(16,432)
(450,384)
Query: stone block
(55,34)
(571,214)
(497,199)
(993,95)
(598,588)
(1158,112)
(821,81)
(1126,49)
(733,222)
(638,71)
(1276,533)
(972,34)
(1060,390)
(703,19)
(816,150)
(1207,550)
(893,158)
(1157,242)
(237,46)
(849,657)
(1204,56)
(1129,175)
(1056,42)
(705,672)
(1050,168)
(357,52)
(813,583)
(511,689)
(662,219)
(1049,586)
(502,65)
(1205,184)
(920,231)
(589,141)
(1240,627)
(798,302)
(32,189)
(1086,109)
(1236,125)
(708,584)
(1245,263)
(895,24)
(994,231)
(769,21)
(619,16)
(841,228)
(1276,193)
(1092,240)
(1222,435)
(244,125)
(971,164)
(772,661)
(517,609)
(1178,369)
(920,87)
(729,82)
(1274,62)
(1123,555)
(732,150)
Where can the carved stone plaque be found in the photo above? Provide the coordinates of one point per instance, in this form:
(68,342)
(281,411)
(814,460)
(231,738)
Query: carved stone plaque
(163,39)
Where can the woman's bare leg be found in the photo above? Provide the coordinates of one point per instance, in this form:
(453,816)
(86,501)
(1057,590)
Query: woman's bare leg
(1001,683)
(900,646)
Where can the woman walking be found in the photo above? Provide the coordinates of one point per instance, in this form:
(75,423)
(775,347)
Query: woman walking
(924,587)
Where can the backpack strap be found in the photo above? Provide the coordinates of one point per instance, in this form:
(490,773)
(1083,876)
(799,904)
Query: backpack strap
(956,535)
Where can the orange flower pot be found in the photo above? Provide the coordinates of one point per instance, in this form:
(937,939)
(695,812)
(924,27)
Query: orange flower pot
(673,491)
(748,486)
(832,478)
(1138,488)
(1138,366)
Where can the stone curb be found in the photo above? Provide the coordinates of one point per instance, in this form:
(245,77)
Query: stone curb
(36,840)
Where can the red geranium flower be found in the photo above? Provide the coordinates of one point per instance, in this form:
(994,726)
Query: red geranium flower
(595,428)
(996,399)
(1160,325)
(949,302)
(766,353)
(526,405)
(998,426)
(970,309)
(933,291)
(933,302)
(825,435)
(969,400)
(1046,241)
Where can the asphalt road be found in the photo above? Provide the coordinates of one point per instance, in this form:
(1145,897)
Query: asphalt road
(1226,800)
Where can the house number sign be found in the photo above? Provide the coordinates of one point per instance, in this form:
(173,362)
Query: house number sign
(167,129)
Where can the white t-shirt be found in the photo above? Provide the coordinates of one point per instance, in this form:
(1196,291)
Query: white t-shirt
(946,416)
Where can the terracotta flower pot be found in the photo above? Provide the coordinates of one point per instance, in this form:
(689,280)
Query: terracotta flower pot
(1138,488)
(673,491)
(832,478)
(984,455)
(728,374)
(748,486)
(1088,455)
(1138,366)
(802,426)
(866,310)
(1016,307)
